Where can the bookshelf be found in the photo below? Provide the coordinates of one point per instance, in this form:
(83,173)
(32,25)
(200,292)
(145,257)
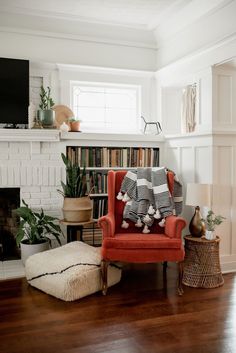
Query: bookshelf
(114,157)
(98,160)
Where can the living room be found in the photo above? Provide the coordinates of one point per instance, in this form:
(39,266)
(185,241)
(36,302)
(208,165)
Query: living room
(152,50)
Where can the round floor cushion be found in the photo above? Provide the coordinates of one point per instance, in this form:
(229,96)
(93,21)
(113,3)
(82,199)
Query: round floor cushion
(69,272)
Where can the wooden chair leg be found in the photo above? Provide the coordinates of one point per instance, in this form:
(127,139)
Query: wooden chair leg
(180,277)
(104,266)
(164,264)
(164,267)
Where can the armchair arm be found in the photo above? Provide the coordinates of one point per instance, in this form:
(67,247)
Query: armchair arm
(174,226)
(107,223)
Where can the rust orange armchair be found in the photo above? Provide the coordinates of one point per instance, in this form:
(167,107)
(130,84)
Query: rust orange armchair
(131,245)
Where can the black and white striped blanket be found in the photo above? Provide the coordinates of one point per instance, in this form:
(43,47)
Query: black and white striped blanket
(147,196)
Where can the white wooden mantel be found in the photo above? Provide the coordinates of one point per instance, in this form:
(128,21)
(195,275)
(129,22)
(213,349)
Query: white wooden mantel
(53,135)
(26,135)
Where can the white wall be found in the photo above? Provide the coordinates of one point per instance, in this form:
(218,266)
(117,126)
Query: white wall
(58,77)
(146,81)
(207,155)
(44,48)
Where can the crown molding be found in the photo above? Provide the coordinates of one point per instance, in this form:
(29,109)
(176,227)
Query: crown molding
(187,59)
(188,15)
(105,70)
(69,17)
(76,37)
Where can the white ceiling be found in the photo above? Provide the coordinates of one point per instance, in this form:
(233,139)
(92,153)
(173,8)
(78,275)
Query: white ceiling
(132,13)
(143,23)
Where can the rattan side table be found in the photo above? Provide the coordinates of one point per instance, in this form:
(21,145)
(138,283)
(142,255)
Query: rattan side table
(202,263)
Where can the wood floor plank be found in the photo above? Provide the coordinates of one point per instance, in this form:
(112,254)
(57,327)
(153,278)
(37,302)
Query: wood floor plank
(139,315)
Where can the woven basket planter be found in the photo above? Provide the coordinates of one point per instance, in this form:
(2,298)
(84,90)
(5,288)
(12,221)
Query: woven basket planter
(77,209)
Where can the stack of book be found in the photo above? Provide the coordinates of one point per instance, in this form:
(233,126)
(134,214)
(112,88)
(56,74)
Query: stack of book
(114,156)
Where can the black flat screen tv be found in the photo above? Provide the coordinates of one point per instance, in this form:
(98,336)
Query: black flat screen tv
(14,91)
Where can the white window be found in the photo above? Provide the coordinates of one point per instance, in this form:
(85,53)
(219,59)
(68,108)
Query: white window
(106,107)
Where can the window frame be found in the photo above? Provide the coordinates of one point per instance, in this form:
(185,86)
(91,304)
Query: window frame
(136,87)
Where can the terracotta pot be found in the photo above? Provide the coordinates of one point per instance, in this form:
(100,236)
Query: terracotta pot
(77,209)
(75,126)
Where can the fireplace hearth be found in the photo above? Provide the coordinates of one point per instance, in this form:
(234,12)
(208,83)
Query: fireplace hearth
(9,201)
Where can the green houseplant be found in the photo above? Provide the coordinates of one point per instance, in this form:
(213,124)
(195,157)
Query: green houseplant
(211,221)
(34,230)
(77,207)
(46,114)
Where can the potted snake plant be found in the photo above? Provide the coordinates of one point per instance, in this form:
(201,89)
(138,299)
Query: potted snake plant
(35,231)
(77,206)
(46,114)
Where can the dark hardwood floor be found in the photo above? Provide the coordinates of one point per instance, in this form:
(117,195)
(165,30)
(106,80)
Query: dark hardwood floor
(138,315)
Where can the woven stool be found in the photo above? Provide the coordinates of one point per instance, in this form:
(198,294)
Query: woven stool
(202,263)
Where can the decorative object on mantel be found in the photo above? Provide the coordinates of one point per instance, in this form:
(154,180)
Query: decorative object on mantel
(200,195)
(77,207)
(34,231)
(152,123)
(45,114)
(33,120)
(64,127)
(211,221)
(62,114)
(74,124)
(37,123)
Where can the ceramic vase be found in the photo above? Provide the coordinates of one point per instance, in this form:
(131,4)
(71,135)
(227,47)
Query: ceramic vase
(46,118)
(210,235)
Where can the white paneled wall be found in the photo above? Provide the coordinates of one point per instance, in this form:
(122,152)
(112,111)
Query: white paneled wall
(224,102)
(209,154)
(210,159)
(191,158)
(224,196)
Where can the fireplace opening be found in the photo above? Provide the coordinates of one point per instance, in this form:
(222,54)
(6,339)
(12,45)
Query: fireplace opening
(9,201)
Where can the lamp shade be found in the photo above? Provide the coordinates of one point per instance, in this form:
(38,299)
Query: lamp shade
(198,195)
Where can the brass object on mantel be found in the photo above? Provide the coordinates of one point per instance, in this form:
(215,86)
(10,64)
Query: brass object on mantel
(197,227)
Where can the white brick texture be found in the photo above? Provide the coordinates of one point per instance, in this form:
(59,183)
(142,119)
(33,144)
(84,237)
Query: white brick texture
(36,168)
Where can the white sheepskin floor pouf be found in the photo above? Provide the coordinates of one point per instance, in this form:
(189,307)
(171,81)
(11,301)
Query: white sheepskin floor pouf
(69,272)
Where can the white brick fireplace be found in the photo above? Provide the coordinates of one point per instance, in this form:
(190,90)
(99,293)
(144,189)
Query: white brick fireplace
(31,160)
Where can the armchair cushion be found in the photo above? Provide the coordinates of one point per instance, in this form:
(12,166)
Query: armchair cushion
(141,241)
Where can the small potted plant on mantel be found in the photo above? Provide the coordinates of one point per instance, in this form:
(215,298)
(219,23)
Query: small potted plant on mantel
(46,115)
(35,230)
(211,221)
(77,206)
(74,124)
